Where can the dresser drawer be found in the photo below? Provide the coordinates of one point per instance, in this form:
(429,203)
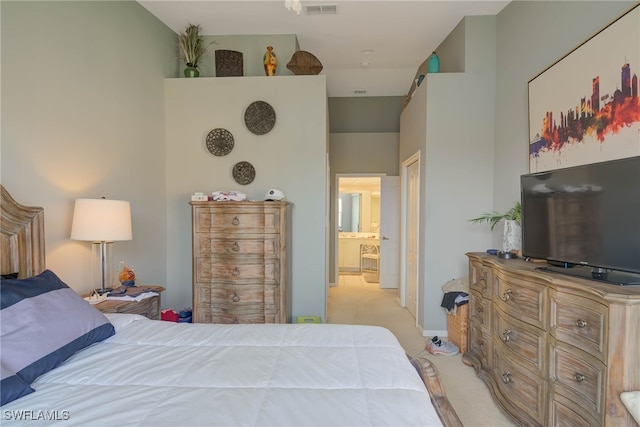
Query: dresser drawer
(148,307)
(580,322)
(563,416)
(479,279)
(242,244)
(525,391)
(524,340)
(232,295)
(479,344)
(480,310)
(523,299)
(209,270)
(209,314)
(577,376)
(233,219)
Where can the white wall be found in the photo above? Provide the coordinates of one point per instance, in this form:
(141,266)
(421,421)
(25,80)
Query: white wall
(291,157)
(358,153)
(450,121)
(82,113)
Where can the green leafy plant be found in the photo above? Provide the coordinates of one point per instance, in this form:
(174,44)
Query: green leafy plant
(493,217)
(192,45)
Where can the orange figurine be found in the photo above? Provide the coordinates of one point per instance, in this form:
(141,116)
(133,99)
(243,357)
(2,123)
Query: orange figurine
(270,62)
(127,276)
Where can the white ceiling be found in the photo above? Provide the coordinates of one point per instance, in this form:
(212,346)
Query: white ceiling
(400,34)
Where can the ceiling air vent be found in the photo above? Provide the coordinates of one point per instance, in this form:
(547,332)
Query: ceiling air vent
(321,9)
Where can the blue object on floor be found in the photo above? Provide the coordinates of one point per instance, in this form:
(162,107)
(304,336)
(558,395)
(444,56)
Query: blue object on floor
(184,316)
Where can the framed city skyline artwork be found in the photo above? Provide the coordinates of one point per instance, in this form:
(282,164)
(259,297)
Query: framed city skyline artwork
(585,108)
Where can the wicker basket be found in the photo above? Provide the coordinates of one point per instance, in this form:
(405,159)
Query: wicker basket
(304,63)
(458,327)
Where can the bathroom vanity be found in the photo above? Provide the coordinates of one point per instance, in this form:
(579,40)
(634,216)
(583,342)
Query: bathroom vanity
(349,249)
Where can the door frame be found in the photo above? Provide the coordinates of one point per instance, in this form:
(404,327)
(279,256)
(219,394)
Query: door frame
(404,191)
(336,196)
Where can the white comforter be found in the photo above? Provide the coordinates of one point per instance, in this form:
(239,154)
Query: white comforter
(153,373)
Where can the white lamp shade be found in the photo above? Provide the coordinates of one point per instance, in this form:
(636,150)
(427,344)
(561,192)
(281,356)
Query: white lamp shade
(101,220)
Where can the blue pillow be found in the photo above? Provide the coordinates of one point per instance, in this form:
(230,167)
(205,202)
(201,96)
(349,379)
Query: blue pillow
(44,322)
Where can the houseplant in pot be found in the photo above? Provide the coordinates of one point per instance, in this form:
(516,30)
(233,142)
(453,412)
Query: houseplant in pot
(192,47)
(512,237)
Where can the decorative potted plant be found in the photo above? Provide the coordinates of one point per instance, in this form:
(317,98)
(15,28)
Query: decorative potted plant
(193,47)
(512,238)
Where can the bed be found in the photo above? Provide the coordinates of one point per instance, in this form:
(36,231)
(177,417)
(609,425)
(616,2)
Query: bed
(65,362)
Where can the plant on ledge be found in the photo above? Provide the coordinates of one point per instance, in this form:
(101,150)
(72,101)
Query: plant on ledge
(493,218)
(192,47)
(512,234)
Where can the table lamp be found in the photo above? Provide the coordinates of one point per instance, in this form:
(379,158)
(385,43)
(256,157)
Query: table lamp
(102,222)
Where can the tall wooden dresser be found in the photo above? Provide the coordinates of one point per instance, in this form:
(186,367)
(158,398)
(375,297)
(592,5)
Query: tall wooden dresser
(241,261)
(554,350)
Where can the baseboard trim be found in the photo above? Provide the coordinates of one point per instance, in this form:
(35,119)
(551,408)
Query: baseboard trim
(433,333)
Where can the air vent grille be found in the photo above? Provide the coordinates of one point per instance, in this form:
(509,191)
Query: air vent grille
(321,9)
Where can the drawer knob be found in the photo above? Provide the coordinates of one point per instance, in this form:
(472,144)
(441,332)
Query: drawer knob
(580,378)
(506,335)
(581,323)
(235,221)
(235,247)
(236,320)
(506,296)
(235,298)
(480,309)
(506,377)
(480,343)
(236,272)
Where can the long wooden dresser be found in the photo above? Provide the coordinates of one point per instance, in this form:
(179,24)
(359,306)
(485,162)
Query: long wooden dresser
(554,350)
(241,255)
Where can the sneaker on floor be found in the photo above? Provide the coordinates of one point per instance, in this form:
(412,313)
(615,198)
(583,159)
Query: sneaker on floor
(436,346)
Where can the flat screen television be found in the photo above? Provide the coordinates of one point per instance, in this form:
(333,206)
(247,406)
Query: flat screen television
(585,220)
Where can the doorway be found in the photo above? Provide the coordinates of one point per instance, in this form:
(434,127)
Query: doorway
(375,239)
(409,290)
(357,227)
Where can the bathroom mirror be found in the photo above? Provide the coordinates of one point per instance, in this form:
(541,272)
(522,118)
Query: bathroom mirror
(349,205)
(358,204)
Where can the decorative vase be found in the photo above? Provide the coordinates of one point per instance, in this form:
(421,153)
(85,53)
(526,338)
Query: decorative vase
(434,63)
(270,62)
(191,71)
(512,237)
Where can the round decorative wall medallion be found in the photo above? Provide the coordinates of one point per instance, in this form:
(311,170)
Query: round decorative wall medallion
(244,173)
(260,117)
(219,142)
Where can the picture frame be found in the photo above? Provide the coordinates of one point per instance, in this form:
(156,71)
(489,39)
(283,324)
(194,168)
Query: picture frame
(585,108)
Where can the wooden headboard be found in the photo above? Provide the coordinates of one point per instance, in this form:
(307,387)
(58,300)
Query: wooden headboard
(22,239)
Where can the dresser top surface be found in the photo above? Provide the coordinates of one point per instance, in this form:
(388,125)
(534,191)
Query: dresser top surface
(246,203)
(608,291)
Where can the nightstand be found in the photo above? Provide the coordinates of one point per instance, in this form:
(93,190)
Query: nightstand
(149,307)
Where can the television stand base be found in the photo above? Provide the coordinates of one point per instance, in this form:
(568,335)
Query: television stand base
(613,277)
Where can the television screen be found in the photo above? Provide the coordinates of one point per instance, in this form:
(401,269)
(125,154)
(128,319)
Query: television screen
(584,215)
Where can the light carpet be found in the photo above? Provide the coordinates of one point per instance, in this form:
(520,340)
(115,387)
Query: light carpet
(356,302)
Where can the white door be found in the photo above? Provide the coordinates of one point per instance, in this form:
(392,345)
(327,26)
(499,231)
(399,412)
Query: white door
(411,239)
(390,232)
